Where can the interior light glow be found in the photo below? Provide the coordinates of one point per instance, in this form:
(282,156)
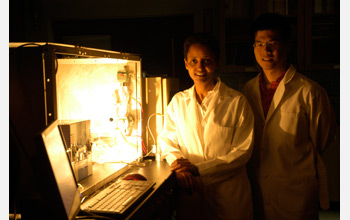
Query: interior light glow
(105,95)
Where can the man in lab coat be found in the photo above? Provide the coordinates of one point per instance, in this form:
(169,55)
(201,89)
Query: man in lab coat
(294,123)
(207,140)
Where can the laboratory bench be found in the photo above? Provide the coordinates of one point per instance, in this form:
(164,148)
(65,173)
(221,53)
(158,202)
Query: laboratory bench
(158,204)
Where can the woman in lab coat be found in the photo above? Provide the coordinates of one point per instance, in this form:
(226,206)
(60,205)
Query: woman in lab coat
(287,172)
(207,140)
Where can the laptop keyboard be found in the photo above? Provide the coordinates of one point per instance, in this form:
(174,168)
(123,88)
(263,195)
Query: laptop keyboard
(117,197)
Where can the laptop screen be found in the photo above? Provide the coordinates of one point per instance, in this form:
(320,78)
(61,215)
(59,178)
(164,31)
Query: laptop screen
(61,170)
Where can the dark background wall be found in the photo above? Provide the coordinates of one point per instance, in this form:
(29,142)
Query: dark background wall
(154,29)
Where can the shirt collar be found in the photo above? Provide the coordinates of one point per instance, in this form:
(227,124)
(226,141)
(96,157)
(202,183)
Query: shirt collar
(262,80)
(214,90)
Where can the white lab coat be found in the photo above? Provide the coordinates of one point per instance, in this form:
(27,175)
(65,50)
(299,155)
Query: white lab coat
(299,125)
(219,145)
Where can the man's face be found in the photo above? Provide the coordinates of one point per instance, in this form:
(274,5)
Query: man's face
(200,63)
(270,50)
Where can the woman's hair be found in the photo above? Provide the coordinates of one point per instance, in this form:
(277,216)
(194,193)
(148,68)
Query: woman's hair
(204,39)
(272,21)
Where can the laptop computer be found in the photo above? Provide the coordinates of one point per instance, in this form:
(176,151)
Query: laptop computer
(55,175)
(58,183)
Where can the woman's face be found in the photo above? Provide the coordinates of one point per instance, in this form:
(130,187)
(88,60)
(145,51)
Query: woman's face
(200,63)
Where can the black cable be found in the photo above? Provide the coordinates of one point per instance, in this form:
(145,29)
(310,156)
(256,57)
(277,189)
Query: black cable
(27,44)
(23,45)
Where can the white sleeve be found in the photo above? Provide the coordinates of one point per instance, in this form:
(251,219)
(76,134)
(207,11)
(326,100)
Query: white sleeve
(168,138)
(323,126)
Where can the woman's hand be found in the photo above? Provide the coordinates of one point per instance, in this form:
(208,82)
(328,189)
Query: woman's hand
(184,165)
(185,172)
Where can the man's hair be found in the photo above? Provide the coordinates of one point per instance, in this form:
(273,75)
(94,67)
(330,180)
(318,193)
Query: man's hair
(273,21)
(204,39)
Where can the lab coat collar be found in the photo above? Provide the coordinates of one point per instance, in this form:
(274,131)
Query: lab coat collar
(191,95)
(289,74)
(280,91)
